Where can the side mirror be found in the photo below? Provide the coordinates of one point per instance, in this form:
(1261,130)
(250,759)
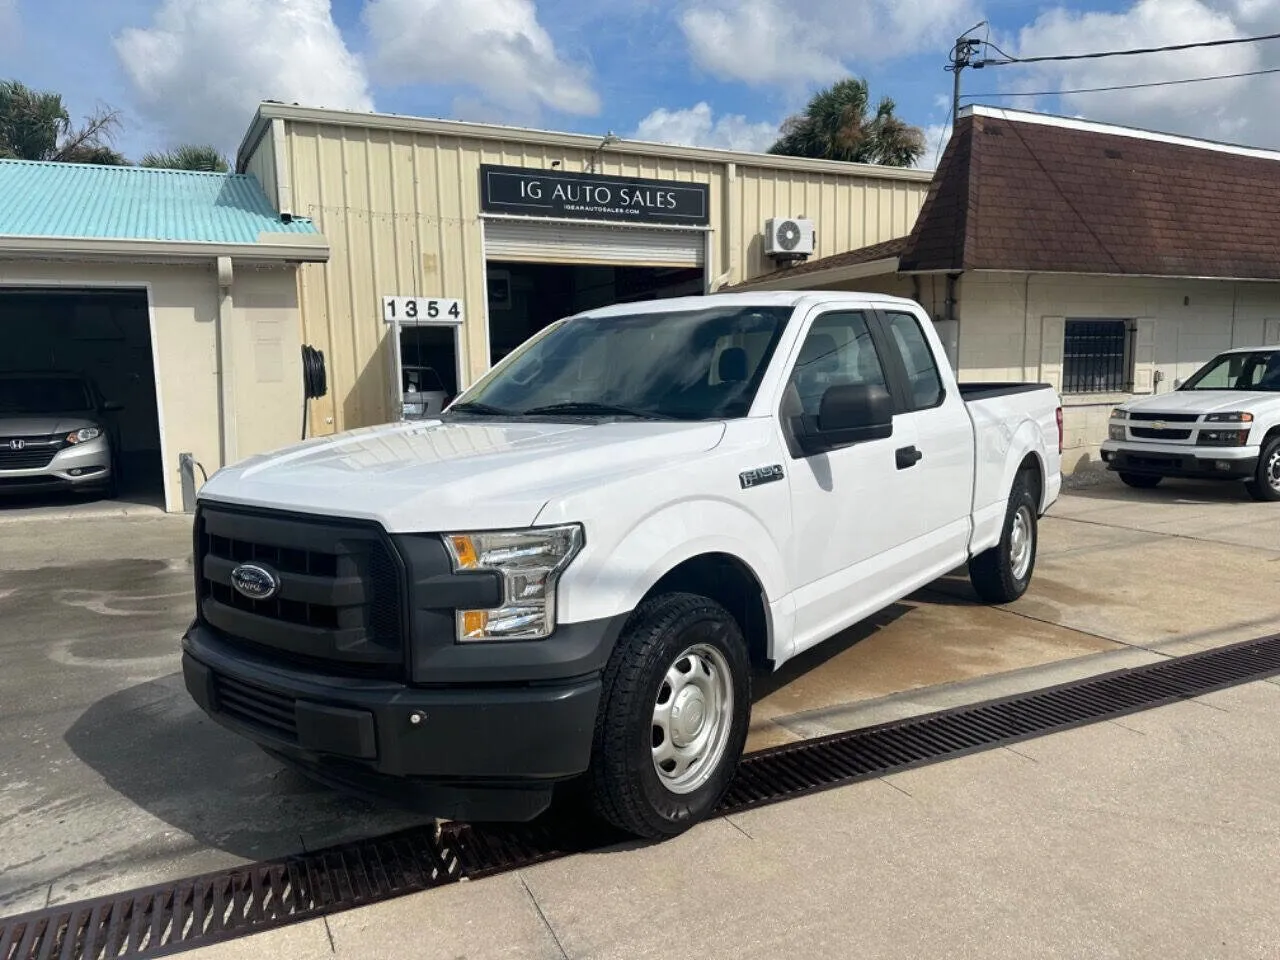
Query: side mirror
(1177,384)
(848,414)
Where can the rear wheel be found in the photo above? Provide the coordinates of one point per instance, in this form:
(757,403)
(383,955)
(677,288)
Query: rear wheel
(673,717)
(1002,573)
(1266,483)
(1141,481)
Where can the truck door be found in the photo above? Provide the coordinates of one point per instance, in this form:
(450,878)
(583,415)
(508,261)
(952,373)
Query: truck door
(851,516)
(939,474)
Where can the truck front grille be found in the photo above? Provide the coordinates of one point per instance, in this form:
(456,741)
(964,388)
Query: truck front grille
(1166,417)
(338,604)
(1151,433)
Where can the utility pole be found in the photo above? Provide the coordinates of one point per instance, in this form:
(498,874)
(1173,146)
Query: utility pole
(961,57)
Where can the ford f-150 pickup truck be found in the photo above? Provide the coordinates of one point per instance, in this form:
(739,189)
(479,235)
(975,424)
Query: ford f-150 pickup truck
(569,578)
(1222,424)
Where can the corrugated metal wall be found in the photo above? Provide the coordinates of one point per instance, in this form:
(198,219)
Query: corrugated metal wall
(400,210)
(262,164)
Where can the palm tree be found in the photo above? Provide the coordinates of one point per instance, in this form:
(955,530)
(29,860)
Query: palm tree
(35,125)
(834,126)
(189,156)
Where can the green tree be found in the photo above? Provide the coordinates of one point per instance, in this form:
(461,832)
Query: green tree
(835,126)
(189,156)
(35,125)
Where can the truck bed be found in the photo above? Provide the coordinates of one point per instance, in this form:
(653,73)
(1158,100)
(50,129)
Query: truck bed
(985,391)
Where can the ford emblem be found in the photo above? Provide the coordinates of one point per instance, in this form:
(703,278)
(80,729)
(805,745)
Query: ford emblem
(255,582)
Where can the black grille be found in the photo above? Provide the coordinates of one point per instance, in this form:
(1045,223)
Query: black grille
(36,452)
(264,709)
(338,605)
(1095,357)
(1150,433)
(1165,417)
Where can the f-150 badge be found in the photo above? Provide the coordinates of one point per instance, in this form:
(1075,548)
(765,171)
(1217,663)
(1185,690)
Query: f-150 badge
(753,478)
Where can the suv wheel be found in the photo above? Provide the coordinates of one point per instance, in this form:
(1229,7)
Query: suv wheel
(1002,573)
(673,718)
(1266,484)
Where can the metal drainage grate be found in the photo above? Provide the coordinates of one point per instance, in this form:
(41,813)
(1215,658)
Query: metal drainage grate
(172,917)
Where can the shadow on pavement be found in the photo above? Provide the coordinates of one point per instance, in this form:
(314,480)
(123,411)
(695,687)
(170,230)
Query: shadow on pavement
(154,747)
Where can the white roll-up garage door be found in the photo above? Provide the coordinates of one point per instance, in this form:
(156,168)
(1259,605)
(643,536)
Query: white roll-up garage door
(544,242)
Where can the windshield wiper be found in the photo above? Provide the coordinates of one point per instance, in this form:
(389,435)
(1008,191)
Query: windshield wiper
(589,408)
(483,409)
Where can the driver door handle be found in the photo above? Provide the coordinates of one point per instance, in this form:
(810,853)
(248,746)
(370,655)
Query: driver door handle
(907,457)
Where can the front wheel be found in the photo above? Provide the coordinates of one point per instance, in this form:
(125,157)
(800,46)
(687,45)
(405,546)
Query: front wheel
(673,717)
(1002,573)
(1265,485)
(1140,481)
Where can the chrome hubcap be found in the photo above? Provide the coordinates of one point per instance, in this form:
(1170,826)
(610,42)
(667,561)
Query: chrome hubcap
(691,718)
(1273,471)
(1020,543)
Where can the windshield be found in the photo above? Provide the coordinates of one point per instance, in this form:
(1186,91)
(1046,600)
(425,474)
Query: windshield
(689,365)
(41,395)
(1259,370)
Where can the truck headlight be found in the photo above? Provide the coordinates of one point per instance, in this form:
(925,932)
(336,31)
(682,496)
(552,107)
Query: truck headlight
(1235,416)
(1119,414)
(1115,432)
(530,563)
(84,435)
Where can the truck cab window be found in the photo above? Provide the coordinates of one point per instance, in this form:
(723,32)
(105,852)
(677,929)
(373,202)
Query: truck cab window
(837,351)
(922,371)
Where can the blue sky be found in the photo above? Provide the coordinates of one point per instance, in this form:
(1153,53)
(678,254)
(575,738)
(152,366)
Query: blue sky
(712,72)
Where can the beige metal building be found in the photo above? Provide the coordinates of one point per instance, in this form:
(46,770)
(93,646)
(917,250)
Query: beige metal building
(471,237)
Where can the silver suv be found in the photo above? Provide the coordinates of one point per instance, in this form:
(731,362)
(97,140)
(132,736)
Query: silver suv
(54,435)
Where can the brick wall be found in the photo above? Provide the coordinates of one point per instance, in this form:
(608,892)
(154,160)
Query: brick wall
(1002,317)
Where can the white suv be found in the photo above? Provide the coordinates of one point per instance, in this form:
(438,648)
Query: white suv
(1222,424)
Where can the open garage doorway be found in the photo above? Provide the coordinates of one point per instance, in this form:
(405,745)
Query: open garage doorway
(525,297)
(76,369)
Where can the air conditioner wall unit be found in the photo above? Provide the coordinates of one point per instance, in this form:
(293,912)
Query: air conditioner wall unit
(788,238)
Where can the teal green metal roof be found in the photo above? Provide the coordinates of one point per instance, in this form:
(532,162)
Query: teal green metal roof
(84,201)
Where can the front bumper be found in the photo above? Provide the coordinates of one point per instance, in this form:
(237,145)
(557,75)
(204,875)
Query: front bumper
(467,752)
(1171,460)
(83,466)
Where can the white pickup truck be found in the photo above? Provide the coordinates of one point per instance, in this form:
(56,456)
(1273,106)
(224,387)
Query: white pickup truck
(1222,424)
(571,576)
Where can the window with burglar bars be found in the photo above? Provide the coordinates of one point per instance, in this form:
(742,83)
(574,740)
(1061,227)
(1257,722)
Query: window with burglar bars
(1097,356)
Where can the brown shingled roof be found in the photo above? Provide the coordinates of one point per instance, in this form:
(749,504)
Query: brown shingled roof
(1018,192)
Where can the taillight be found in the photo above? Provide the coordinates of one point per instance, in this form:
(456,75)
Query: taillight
(1059,431)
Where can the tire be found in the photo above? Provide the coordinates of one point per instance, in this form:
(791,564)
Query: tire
(625,785)
(1002,573)
(1265,486)
(1140,481)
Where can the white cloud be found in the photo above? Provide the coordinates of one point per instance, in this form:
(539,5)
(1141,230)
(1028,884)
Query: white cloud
(936,136)
(1241,109)
(769,42)
(496,46)
(203,65)
(697,127)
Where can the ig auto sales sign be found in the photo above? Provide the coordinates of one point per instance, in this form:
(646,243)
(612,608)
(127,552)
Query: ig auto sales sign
(588,196)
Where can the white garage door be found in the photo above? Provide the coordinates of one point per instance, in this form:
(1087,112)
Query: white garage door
(543,242)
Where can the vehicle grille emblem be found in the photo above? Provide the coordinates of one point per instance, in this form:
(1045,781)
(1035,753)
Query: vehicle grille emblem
(1160,424)
(255,582)
(17,444)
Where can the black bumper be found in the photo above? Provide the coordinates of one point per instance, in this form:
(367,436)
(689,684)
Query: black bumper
(1179,465)
(474,752)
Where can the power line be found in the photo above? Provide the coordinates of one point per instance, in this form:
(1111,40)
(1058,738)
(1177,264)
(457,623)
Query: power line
(1119,53)
(1126,86)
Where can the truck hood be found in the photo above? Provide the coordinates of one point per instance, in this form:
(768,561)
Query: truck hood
(41,426)
(430,476)
(1204,401)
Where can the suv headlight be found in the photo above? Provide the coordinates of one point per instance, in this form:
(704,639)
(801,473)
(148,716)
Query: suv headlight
(530,563)
(84,435)
(1235,416)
